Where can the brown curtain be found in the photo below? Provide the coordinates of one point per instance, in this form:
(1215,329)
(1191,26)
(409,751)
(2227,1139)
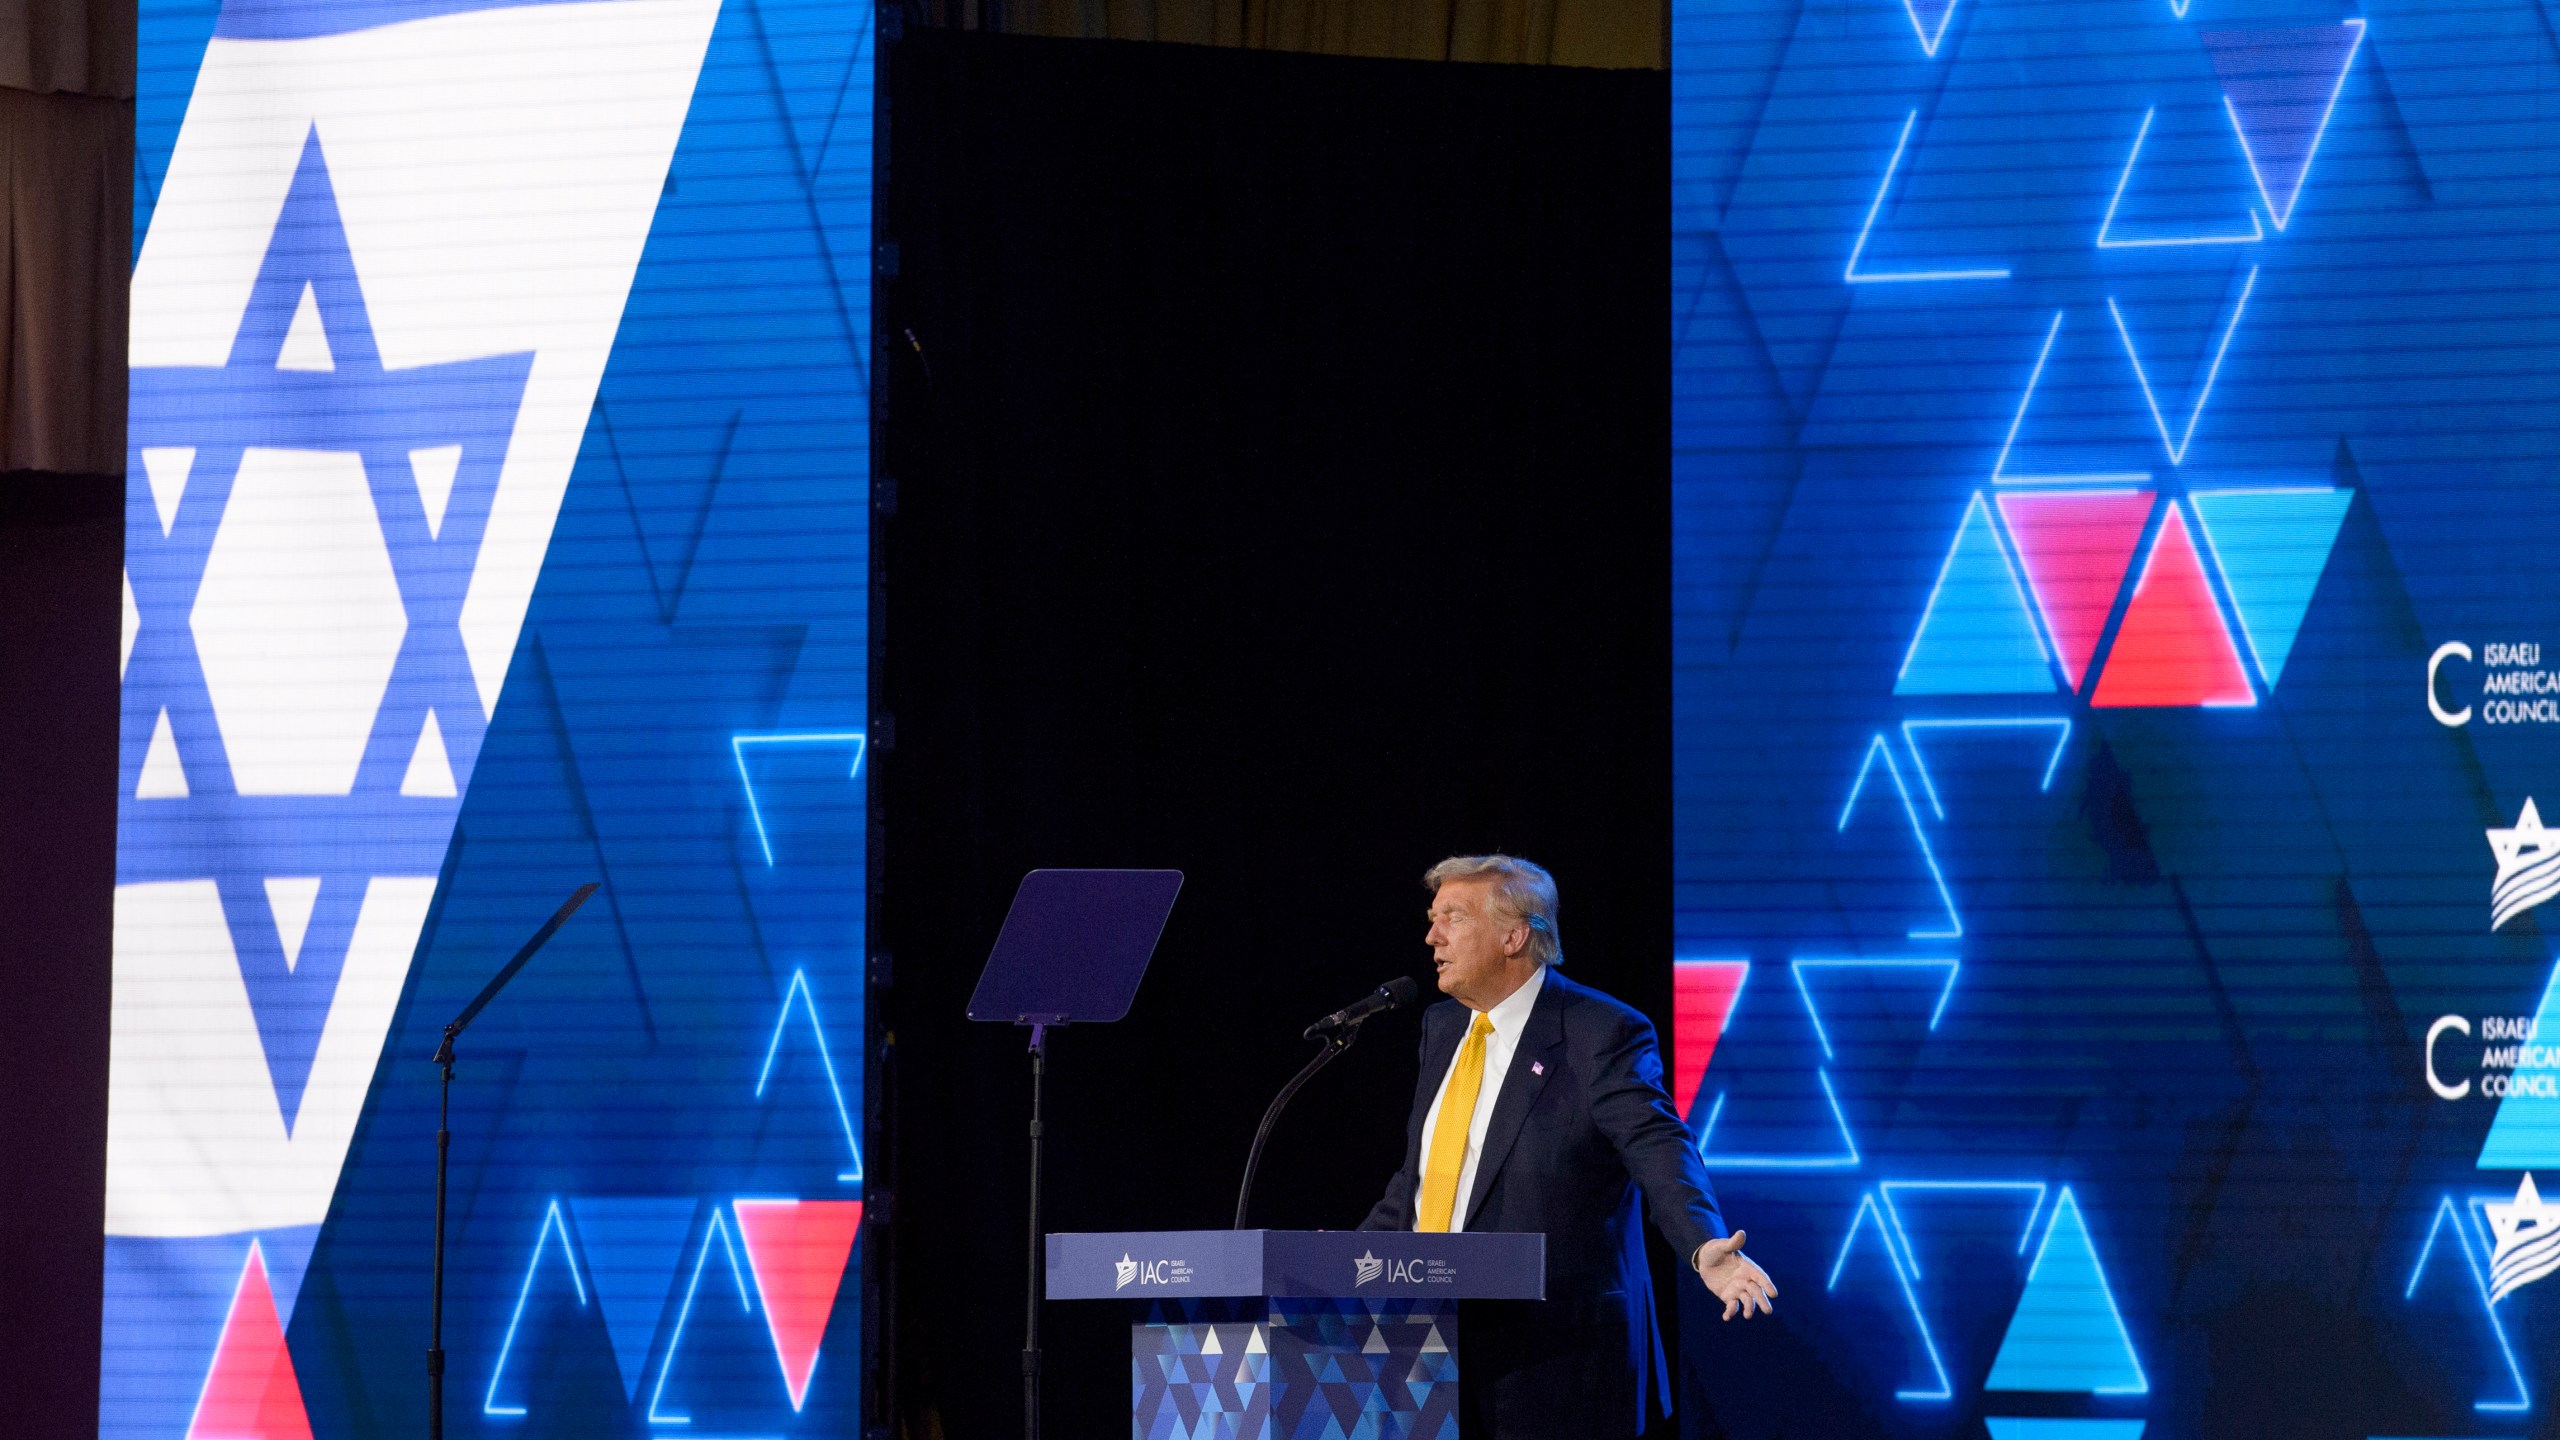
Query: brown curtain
(1605,34)
(66,232)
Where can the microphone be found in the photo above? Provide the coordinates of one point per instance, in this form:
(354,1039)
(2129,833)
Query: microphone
(1394,995)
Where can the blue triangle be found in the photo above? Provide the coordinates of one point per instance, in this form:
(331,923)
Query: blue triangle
(2067,1335)
(2272,546)
(633,1245)
(2006,1427)
(1977,636)
(2526,1134)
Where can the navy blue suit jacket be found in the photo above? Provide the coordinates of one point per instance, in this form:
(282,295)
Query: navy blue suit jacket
(1579,1130)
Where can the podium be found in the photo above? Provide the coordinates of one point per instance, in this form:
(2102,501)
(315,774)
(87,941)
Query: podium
(1294,1334)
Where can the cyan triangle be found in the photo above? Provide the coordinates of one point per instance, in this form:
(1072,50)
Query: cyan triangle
(1976,635)
(2067,1335)
(2010,1427)
(2272,545)
(2526,1134)
(633,1245)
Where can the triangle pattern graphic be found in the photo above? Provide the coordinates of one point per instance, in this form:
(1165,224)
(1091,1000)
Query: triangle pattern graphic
(251,1392)
(2280,86)
(2172,648)
(2076,549)
(430,770)
(1975,636)
(163,778)
(2272,546)
(633,1245)
(167,468)
(2066,1335)
(2526,1134)
(797,1250)
(291,897)
(306,341)
(1702,996)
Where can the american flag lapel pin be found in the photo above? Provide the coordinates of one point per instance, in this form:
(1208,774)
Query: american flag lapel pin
(1537,1067)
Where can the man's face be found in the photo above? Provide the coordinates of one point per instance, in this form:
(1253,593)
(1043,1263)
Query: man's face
(1476,948)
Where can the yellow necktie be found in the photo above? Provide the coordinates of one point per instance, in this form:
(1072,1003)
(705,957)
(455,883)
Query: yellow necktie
(1448,1153)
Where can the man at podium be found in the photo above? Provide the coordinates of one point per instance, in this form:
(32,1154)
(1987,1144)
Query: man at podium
(1540,1108)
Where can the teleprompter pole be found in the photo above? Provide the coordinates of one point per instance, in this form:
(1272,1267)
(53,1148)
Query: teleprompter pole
(444,1138)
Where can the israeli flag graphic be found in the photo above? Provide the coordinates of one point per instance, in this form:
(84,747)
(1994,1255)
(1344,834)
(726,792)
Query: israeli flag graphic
(382,275)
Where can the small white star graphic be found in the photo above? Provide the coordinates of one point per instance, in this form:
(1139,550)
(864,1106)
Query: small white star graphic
(2528,866)
(2528,1236)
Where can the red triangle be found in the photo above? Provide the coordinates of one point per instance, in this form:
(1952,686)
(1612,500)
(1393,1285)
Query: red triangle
(251,1393)
(2077,549)
(798,1249)
(1702,996)
(2172,648)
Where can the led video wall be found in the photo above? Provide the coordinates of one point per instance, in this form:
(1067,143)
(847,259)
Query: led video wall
(497,523)
(2115,470)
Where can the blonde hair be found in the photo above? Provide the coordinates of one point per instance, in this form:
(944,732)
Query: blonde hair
(1521,889)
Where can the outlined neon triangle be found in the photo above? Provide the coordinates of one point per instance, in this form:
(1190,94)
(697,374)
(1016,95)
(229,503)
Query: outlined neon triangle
(1926,1346)
(2280,86)
(1976,636)
(250,1393)
(797,1249)
(1877,749)
(2067,1335)
(2142,238)
(633,1245)
(2526,1134)
(2178,434)
(2076,548)
(1703,993)
(1929,20)
(2465,1263)
(2172,648)
(2271,546)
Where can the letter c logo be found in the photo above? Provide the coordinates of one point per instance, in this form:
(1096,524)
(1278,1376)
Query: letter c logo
(2435,707)
(2444,1023)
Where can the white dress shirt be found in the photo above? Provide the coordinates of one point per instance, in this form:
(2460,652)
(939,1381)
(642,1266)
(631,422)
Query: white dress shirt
(1509,1019)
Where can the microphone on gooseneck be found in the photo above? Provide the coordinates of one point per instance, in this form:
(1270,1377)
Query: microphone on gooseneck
(1394,995)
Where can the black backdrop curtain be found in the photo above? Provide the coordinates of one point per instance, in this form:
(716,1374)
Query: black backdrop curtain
(1279,449)
(66,166)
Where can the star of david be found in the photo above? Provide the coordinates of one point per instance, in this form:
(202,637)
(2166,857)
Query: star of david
(2521,1219)
(2523,844)
(347,402)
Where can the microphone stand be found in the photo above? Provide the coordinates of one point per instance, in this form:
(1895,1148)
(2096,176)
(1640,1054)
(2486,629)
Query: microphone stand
(1334,1044)
(444,1138)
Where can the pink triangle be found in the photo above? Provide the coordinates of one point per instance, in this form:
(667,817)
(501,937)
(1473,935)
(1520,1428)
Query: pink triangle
(2172,648)
(2281,85)
(1702,996)
(2077,549)
(251,1392)
(798,1249)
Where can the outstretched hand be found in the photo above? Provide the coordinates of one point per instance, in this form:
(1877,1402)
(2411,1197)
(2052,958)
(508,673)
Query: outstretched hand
(1733,1277)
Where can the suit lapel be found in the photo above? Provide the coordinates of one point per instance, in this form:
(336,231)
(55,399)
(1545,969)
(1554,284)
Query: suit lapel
(1539,1041)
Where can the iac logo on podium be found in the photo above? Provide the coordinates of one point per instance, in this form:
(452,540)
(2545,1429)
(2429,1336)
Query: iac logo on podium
(1366,1268)
(1128,1270)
